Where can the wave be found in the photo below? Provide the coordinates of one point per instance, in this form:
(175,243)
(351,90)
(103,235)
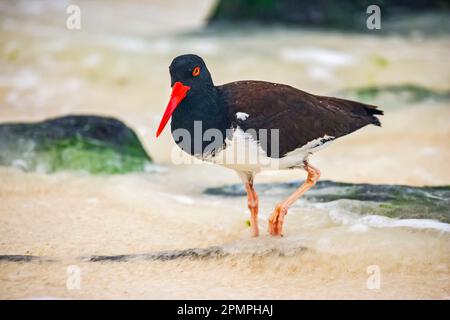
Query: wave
(360,222)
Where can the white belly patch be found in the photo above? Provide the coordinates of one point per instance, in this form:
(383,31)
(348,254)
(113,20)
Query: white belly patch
(243,153)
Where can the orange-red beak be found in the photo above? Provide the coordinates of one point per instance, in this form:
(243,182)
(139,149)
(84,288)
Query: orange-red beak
(179,91)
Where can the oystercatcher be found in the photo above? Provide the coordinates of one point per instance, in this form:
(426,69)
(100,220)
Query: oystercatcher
(250,126)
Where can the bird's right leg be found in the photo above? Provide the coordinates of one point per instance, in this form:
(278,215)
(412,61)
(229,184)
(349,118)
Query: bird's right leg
(252,201)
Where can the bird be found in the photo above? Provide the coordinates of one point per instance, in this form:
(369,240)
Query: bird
(251,126)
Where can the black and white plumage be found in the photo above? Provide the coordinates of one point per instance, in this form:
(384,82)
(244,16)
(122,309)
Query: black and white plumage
(262,125)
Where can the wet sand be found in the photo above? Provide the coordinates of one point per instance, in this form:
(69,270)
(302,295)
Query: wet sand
(67,216)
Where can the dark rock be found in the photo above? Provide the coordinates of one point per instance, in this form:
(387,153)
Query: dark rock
(82,143)
(395,201)
(348,14)
(22,258)
(167,255)
(203,253)
(214,252)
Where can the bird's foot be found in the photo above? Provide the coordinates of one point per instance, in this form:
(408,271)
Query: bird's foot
(276,220)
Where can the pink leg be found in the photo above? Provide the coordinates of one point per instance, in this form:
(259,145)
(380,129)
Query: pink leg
(253,206)
(277,218)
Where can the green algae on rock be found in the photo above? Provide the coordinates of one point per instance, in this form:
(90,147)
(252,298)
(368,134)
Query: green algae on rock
(402,93)
(76,142)
(394,201)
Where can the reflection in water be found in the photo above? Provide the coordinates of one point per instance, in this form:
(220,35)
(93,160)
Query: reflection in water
(120,69)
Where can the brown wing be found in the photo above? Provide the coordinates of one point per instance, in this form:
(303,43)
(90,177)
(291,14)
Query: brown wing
(300,117)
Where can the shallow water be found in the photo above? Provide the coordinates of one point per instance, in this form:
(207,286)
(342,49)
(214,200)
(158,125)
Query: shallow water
(120,69)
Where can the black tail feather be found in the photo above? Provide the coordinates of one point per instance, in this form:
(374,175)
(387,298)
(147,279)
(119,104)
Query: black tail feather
(372,112)
(365,111)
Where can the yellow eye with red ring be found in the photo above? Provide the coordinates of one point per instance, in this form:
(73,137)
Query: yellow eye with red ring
(196,71)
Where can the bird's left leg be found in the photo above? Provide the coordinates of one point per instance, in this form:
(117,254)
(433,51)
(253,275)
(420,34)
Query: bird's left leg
(252,202)
(277,218)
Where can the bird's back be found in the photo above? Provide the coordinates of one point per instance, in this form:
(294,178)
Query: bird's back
(299,116)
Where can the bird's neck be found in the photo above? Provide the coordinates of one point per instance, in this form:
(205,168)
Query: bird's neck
(200,112)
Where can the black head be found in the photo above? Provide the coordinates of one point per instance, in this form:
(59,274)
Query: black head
(193,98)
(190,70)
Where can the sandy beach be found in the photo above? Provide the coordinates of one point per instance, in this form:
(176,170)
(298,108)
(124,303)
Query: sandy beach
(120,70)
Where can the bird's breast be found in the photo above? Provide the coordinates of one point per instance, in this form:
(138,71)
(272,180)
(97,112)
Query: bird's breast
(243,152)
